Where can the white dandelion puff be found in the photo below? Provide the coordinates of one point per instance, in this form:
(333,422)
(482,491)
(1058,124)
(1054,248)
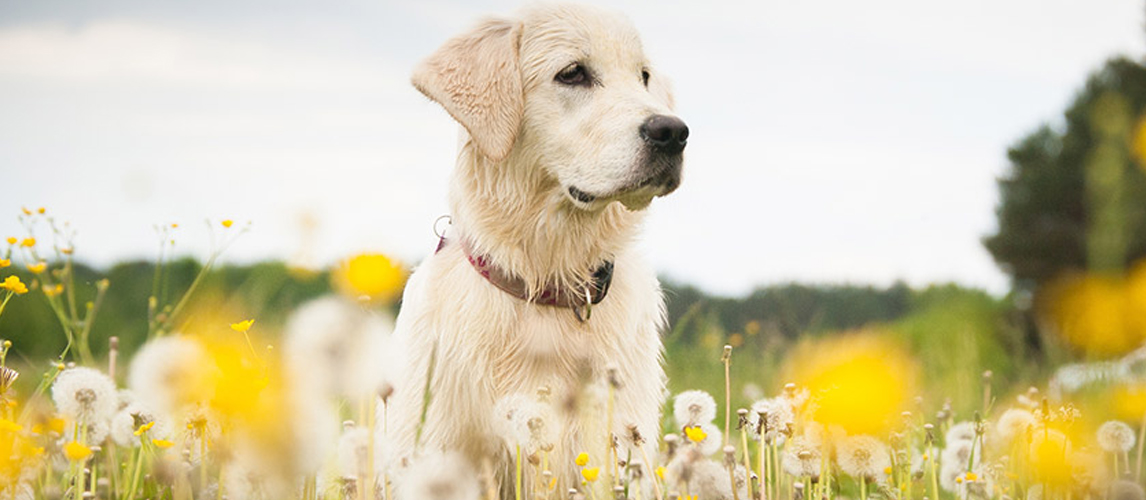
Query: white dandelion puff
(1123,489)
(962,431)
(339,348)
(957,455)
(801,458)
(85,395)
(523,421)
(863,456)
(1115,436)
(1013,424)
(170,372)
(439,476)
(693,408)
(129,419)
(778,417)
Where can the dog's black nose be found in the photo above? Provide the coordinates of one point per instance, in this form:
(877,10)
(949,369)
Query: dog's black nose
(668,134)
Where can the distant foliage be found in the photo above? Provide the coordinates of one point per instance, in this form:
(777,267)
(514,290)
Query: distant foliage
(1046,213)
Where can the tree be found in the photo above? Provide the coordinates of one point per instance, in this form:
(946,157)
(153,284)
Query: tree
(1076,200)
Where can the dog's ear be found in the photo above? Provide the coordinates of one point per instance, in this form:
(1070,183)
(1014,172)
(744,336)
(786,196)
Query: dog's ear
(476,77)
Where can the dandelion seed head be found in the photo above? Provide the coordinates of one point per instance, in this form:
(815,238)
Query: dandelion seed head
(862,456)
(128,419)
(1115,436)
(170,372)
(801,458)
(778,417)
(438,476)
(705,438)
(523,421)
(1123,489)
(335,347)
(85,395)
(694,408)
(1014,423)
(353,451)
(962,431)
(957,453)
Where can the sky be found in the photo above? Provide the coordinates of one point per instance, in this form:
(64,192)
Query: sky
(831,141)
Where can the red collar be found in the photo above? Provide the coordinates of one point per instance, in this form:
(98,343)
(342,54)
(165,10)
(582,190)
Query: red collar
(552,295)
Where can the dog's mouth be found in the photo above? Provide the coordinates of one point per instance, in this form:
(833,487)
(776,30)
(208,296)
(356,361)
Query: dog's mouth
(581,196)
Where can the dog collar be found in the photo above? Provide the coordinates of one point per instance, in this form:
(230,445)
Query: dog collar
(580,301)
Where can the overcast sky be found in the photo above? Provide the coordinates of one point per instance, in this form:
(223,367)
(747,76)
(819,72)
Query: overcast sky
(832,141)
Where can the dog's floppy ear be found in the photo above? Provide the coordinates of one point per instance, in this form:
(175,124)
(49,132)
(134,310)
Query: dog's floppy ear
(477,78)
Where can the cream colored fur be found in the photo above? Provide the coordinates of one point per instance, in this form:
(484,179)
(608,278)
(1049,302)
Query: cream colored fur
(525,140)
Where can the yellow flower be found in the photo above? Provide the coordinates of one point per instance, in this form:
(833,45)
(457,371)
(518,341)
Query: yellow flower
(695,434)
(162,444)
(38,267)
(228,223)
(25,210)
(660,470)
(859,382)
(887,470)
(144,428)
(53,291)
(9,426)
(5,263)
(28,242)
(590,473)
(242,326)
(56,425)
(12,240)
(76,451)
(13,284)
(41,210)
(582,459)
(971,476)
(372,276)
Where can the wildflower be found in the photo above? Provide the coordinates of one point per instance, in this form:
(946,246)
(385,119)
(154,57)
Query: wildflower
(1050,456)
(8,377)
(12,240)
(41,210)
(370,276)
(801,458)
(10,426)
(1014,423)
(439,476)
(590,473)
(13,284)
(85,395)
(695,434)
(582,459)
(242,326)
(132,421)
(76,451)
(692,408)
(38,267)
(862,456)
(28,242)
(162,444)
(859,382)
(53,291)
(228,223)
(660,471)
(1115,436)
(5,263)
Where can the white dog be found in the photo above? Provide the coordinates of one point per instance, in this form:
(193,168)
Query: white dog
(568,133)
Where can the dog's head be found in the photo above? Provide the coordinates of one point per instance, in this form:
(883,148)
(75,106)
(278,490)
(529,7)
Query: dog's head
(568,87)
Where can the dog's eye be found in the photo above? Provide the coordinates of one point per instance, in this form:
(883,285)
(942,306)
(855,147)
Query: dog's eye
(574,74)
(645,76)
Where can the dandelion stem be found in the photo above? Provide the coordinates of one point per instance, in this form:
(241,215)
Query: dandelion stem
(1141,438)
(726,358)
(517,474)
(651,472)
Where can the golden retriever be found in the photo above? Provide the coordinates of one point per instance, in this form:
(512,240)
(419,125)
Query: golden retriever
(567,135)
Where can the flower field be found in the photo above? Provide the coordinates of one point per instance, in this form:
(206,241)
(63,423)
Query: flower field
(205,399)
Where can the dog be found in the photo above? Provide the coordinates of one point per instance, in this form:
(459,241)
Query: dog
(567,135)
